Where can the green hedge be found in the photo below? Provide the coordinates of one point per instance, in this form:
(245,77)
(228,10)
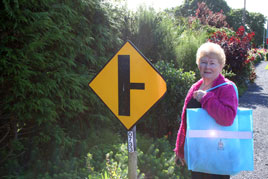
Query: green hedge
(155,160)
(164,118)
(49,52)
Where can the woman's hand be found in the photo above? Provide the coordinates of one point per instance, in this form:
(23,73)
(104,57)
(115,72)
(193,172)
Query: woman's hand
(198,95)
(179,161)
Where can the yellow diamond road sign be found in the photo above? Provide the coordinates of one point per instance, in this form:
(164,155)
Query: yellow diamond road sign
(129,85)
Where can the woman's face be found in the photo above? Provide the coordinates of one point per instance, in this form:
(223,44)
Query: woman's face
(209,68)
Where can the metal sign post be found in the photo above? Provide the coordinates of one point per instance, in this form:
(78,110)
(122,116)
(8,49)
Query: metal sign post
(132,153)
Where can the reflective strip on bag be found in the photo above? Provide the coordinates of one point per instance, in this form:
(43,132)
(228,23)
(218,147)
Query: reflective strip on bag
(219,134)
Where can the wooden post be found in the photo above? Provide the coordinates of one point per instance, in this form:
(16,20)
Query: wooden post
(132,154)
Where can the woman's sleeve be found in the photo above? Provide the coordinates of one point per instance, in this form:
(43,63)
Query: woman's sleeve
(180,141)
(221,105)
(179,148)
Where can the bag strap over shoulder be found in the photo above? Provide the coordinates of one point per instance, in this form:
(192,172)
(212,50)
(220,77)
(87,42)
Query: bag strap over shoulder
(226,83)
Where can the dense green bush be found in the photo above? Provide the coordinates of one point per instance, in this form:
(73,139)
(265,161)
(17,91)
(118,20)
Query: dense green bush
(49,52)
(155,160)
(211,30)
(162,119)
(52,125)
(50,119)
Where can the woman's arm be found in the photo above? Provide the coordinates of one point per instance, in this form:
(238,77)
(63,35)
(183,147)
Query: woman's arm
(221,104)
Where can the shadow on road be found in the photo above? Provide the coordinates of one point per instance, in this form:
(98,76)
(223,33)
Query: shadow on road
(254,97)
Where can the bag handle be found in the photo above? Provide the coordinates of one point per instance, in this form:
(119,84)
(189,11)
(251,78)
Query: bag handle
(226,83)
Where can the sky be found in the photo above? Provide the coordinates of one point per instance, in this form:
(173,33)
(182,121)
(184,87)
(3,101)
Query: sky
(260,6)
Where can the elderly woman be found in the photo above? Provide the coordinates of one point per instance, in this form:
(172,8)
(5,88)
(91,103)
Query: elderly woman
(220,103)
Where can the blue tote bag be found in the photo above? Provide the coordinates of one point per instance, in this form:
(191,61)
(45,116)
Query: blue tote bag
(215,149)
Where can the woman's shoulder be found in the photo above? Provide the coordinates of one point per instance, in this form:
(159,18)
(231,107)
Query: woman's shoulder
(229,88)
(229,82)
(221,79)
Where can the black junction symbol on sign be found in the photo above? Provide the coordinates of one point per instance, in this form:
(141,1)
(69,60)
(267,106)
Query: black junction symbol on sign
(124,85)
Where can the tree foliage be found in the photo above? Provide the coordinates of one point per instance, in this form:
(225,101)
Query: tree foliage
(51,123)
(162,120)
(189,41)
(218,10)
(153,33)
(236,50)
(208,17)
(189,7)
(49,52)
(254,23)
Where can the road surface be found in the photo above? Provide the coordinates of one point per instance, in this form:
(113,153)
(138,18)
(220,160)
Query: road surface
(256,98)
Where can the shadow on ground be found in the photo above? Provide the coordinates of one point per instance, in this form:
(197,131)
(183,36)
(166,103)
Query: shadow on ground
(254,97)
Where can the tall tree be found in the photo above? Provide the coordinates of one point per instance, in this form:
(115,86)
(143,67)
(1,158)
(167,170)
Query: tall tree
(50,49)
(254,23)
(189,7)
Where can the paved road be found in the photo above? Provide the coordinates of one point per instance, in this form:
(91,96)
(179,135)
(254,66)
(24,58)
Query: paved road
(256,98)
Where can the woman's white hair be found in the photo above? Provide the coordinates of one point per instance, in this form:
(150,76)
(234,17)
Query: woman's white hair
(211,50)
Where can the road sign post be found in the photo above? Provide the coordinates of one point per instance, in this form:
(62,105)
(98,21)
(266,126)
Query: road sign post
(132,154)
(129,86)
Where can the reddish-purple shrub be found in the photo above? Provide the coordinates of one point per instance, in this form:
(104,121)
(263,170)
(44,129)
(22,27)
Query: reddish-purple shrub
(208,17)
(235,47)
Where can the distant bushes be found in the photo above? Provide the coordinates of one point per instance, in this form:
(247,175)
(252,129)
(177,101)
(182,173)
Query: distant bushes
(256,55)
